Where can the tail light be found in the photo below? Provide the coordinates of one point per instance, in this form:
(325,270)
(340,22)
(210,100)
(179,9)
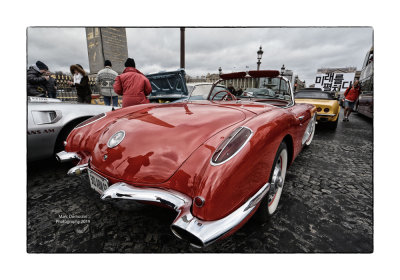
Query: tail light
(199,201)
(231,145)
(319,109)
(91,120)
(326,110)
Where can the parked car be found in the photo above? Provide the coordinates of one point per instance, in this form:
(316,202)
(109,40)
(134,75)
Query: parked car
(50,121)
(168,86)
(365,103)
(327,104)
(216,162)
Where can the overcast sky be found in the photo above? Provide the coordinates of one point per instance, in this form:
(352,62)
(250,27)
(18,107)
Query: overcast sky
(302,50)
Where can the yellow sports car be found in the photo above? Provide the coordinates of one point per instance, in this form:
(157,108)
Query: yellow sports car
(327,105)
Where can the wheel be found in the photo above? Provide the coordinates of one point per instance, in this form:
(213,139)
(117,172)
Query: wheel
(310,130)
(62,136)
(277,176)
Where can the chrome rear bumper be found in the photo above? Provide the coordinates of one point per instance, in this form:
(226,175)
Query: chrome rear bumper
(185,226)
(65,156)
(326,115)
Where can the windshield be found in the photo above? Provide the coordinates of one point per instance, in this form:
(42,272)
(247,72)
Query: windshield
(272,90)
(269,88)
(314,95)
(258,92)
(201,92)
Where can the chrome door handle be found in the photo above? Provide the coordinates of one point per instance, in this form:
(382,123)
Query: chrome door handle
(301,118)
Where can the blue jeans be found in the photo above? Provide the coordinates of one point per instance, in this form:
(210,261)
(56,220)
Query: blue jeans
(349,104)
(107,100)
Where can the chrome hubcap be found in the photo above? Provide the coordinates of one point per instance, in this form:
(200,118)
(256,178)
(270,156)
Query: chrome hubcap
(276,182)
(309,131)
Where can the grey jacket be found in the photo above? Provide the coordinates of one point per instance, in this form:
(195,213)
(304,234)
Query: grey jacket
(105,80)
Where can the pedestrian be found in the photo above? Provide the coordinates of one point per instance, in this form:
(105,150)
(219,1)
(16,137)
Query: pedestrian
(81,82)
(51,86)
(105,79)
(231,89)
(239,92)
(132,85)
(37,79)
(350,97)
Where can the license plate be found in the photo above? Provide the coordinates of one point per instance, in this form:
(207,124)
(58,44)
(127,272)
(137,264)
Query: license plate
(97,182)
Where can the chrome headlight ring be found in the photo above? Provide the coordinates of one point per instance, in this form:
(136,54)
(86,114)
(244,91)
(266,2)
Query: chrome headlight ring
(116,139)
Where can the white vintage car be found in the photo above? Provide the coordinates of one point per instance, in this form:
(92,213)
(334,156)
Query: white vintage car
(50,121)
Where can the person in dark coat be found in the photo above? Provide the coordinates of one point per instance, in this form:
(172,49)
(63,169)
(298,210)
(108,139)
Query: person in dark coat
(132,85)
(51,86)
(81,82)
(36,80)
(231,89)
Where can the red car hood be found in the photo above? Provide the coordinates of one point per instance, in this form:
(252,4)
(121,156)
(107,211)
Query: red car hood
(159,139)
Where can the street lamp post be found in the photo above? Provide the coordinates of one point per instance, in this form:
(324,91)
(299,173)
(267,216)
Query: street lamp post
(280,80)
(259,56)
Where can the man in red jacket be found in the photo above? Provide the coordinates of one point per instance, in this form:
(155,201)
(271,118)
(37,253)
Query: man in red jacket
(132,85)
(350,96)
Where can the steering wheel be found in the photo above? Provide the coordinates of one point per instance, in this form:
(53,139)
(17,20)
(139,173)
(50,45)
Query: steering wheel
(225,96)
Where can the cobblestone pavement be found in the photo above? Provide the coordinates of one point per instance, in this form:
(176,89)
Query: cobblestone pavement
(326,206)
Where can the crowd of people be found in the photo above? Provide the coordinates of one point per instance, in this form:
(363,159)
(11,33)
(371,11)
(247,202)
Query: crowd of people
(132,85)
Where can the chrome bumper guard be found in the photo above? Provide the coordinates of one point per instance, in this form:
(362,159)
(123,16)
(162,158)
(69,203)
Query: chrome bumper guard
(185,226)
(78,170)
(64,156)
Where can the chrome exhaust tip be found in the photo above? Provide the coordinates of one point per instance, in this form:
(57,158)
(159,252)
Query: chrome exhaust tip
(185,235)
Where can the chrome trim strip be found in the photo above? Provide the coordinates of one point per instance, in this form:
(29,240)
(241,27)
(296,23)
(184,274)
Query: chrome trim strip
(78,170)
(326,115)
(64,156)
(206,232)
(77,126)
(238,150)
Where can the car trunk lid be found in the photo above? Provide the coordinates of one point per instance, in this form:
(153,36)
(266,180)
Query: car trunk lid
(159,139)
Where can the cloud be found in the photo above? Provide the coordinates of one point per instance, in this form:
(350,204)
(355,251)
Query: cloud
(302,50)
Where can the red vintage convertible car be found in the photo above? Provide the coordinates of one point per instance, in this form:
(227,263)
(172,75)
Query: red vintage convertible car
(215,161)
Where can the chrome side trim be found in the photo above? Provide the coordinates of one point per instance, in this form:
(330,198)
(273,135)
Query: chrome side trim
(64,156)
(185,226)
(78,170)
(238,150)
(77,126)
